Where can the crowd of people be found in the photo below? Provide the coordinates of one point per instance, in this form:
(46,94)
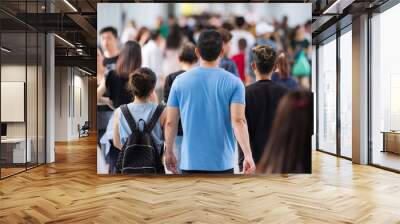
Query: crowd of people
(189,94)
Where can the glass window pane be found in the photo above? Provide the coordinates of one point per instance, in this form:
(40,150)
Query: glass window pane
(31,97)
(41,98)
(13,86)
(346,94)
(327,97)
(385,84)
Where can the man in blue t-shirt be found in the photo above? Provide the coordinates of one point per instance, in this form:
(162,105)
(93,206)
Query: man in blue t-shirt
(211,105)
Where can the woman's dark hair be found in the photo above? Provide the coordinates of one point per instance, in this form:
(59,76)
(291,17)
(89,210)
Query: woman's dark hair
(140,33)
(209,44)
(188,54)
(289,146)
(225,34)
(142,82)
(264,58)
(129,59)
(174,38)
(282,64)
(294,32)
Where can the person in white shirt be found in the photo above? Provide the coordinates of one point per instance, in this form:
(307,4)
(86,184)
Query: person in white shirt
(240,33)
(129,32)
(152,57)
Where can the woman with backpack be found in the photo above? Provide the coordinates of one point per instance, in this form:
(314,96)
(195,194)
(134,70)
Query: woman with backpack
(138,127)
(113,91)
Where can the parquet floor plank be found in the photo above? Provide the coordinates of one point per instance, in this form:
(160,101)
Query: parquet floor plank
(70,191)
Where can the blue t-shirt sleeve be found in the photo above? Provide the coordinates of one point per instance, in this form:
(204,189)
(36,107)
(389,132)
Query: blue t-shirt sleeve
(238,95)
(173,96)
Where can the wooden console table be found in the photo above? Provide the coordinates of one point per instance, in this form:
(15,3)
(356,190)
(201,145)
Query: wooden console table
(391,141)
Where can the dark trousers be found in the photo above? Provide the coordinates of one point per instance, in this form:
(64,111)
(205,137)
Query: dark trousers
(229,171)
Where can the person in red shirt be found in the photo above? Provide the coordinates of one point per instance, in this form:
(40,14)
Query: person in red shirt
(240,59)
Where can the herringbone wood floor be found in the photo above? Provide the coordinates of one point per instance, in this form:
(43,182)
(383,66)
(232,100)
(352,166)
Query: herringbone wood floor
(70,191)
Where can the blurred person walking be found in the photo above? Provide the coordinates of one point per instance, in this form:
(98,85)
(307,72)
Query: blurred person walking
(281,74)
(225,62)
(262,98)
(129,32)
(152,54)
(240,32)
(109,45)
(289,147)
(299,47)
(240,59)
(211,103)
(173,47)
(100,67)
(264,33)
(143,35)
(188,60)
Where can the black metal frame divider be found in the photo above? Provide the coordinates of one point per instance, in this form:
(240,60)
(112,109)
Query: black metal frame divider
(44,77)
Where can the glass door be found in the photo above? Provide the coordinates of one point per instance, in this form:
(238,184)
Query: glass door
(327,96)
(14,155)
(22,77)
(346,93)
(385,89)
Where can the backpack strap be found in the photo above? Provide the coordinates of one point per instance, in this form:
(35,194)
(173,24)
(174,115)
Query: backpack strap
(154,118)
(129,118)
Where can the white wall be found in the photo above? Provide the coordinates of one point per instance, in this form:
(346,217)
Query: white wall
(69,82)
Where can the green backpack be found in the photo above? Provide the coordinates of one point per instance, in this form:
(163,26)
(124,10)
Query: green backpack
(302,66)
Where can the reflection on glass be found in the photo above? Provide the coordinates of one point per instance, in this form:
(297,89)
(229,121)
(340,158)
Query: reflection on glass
(14,153)
(327,97)
(346,94)
(41,99)
(31,96)
(386,89)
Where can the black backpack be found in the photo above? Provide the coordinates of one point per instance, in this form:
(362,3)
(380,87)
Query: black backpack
(140,154)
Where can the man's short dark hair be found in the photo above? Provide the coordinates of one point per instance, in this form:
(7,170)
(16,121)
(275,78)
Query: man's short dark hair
(242,44)
(264,58)
(240,21)
(110,29)
(154,34)
(228,26)
(188,54)
(209,44)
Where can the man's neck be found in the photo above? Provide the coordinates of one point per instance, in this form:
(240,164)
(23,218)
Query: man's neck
(186,67)
(111,53)
(209,64)
(263,77)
